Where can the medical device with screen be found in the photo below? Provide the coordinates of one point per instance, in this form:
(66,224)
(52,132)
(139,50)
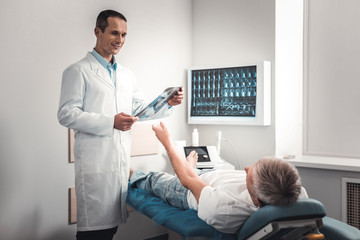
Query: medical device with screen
(203,154)
(207,155)
(230,95)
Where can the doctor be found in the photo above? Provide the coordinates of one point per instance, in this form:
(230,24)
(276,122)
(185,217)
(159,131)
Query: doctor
(99,99)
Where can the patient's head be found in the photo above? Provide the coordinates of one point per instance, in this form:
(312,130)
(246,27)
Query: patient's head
(273,181)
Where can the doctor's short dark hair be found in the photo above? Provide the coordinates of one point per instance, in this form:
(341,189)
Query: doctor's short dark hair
(276,182)
(101,20)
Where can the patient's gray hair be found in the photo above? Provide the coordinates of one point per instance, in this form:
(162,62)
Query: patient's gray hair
(276,182)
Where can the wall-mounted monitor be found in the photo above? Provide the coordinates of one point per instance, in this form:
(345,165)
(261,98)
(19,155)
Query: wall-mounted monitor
(238,94)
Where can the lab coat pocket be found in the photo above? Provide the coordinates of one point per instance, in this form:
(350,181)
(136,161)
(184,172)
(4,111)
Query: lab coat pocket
(97,154)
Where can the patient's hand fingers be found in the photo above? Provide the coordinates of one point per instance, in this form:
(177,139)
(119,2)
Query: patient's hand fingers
(156,129)
(161,133)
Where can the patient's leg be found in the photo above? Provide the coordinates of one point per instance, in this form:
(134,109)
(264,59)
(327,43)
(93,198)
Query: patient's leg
(163,185)
(192,158)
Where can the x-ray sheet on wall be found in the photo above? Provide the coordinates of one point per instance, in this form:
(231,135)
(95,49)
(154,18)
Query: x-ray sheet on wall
(224,92)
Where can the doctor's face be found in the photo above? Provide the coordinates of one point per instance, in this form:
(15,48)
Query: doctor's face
(112,39)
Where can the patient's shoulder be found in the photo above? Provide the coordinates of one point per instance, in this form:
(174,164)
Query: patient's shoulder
(222,211)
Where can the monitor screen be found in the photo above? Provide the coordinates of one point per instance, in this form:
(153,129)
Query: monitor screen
(224,92)
(227,94)
(203,155)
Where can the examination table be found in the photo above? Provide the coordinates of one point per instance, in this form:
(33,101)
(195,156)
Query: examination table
(269,222)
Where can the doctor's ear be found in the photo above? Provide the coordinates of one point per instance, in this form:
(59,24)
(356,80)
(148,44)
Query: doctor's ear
(97,31)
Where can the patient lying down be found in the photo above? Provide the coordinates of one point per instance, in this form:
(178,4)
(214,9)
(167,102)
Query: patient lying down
(223,198)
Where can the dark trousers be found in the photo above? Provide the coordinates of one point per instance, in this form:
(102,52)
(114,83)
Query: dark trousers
(106,234)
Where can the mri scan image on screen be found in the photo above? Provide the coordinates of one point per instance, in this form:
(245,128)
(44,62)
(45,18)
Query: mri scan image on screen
(230,95)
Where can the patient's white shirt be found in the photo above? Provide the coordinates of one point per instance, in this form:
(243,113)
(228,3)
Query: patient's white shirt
(226,203)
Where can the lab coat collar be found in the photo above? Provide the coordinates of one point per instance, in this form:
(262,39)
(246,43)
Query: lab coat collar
(98,69)
(95,64)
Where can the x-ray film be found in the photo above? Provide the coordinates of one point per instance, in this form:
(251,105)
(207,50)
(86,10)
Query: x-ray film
(159,103)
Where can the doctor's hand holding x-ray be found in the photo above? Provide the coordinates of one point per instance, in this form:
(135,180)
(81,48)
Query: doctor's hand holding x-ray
(99,100)
(177,98)
(125,121)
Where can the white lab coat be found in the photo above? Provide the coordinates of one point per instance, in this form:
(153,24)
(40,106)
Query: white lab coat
(88,103)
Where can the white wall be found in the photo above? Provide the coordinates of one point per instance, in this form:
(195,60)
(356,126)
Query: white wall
(289,77)
(234,32)
(39,39)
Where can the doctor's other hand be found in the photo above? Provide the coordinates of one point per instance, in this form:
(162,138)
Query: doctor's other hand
(177,98)
(124,121)
(162,133)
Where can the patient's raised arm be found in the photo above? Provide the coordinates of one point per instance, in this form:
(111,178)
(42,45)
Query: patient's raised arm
(183,170)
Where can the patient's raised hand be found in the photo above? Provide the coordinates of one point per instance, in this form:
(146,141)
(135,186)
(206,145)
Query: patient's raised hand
(162,134)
